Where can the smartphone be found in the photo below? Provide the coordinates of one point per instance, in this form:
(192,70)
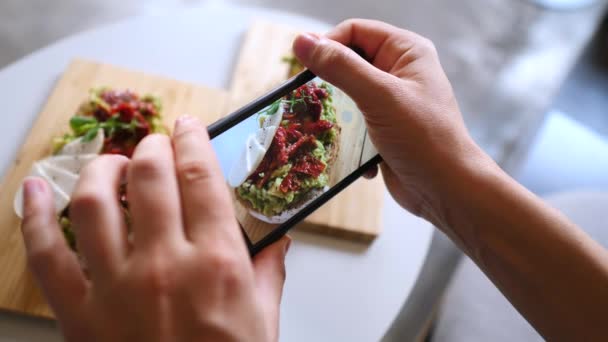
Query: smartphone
(288,152)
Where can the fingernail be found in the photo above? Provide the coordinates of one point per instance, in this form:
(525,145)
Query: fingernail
(184,120)
(304,45)
(32,187)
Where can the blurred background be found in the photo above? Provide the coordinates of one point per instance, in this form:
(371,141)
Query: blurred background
(531,78)
(511,62)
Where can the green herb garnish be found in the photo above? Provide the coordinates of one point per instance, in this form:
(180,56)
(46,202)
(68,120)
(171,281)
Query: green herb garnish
(272,109)
(295,101)
(87,127)
(91,133)
(82,124)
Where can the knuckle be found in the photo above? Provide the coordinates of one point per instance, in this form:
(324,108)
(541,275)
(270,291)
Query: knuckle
(420,44)
(32,219)
(106,159)
(42,256)
(147,167)
(350,22)
(156,138)
(86,200)
(221,261)
(227,268)
(193,171)
(330,56)
(426,46)
(192,129)
(156,277)
(100,164)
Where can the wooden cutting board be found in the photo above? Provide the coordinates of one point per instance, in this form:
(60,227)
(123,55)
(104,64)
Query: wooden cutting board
(356,212)
(17,289)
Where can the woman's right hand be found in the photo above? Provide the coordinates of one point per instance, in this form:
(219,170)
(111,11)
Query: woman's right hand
(408,103)
(549,269)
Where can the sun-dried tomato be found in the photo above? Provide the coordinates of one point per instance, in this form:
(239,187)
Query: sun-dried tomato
(303,104)
(294,142)
(305,144)
(124,110)
(316,127)
(101,114)
(321,93)
(142,127)
(127,108)
(290,183)
(125,148)
(147,109)
(309,165)
(293,132)
(280,146)
(120,136)
(111,147)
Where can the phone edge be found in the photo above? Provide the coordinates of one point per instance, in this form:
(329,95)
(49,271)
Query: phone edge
(283,228)
(252,108)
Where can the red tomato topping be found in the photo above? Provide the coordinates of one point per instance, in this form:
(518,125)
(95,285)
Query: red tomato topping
(129,109)
(295,142)
(309,165)
(306,166)
(124,110)
(101,114)
(290,183)
(321,93)
(304,103)
(305,144)
(317,127)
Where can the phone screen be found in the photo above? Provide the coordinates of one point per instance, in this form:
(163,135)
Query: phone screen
(278,160)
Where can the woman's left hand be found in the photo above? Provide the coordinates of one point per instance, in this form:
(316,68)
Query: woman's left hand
(187,274)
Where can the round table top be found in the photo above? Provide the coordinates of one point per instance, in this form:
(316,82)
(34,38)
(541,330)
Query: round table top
(335,290)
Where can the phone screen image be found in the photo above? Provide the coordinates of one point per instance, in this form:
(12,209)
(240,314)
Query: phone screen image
(279,160)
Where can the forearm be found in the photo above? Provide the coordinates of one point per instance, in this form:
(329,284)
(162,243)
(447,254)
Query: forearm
(551,271)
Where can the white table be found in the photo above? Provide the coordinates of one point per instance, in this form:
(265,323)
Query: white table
(335,290)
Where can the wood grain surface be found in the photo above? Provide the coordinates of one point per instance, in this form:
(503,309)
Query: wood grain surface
(356,212)
(18,292)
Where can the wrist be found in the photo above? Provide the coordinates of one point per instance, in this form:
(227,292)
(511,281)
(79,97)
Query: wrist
(468,180)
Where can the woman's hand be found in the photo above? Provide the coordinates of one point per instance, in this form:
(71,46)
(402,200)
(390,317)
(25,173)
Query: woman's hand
(186,275)
(408,103)
(549,269)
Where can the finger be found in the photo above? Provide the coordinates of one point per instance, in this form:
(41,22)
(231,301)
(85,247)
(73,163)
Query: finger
(384,45)
(53,264)
(206,203)
(371,173)
(269,268)
(153,194)
(340,66)
(97,216)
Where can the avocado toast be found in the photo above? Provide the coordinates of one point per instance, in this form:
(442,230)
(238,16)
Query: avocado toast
(295,169)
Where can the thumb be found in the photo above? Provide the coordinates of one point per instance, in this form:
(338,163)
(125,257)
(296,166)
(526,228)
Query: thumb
(340,66)
(269,268)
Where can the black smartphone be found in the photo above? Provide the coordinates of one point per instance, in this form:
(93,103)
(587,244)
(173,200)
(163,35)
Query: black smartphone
(288,152)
